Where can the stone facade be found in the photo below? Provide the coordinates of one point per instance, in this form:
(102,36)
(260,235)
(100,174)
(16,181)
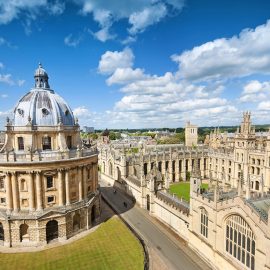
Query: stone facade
(48,179)
(191,135)
(228,224)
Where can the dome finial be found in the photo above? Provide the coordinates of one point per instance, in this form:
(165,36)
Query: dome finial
(41,78)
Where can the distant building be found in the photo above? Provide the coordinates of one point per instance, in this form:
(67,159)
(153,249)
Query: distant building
(88,129)
(191,134)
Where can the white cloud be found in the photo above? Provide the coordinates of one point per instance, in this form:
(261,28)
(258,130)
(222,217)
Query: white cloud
(6,78)
(239,56)
(264,106)
(125,75)
(4,96)
(103,34)
(140,14)
(71,41)
(81,111)
(255,91)
(56,8)
(20,82)
(110,61)
(153,100)
(12,9)
(146,17)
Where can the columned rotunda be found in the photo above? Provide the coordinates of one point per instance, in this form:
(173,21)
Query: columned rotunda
(48,179)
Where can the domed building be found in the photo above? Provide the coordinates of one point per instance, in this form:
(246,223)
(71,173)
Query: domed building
(48,179)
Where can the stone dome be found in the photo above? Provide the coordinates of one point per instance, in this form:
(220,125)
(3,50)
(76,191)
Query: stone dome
(42,106)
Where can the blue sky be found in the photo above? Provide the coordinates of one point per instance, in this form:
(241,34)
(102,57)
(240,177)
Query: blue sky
(141,63)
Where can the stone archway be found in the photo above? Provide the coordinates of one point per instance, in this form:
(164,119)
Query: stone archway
(51,230)
(76,222)
(24,236)
(2,235)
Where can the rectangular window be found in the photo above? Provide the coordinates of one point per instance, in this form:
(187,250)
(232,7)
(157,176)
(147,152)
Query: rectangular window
(50,199)
(2,185)
(20,143)
(46,143)
(25,203)
(2,200)
(69,142)
(49,182)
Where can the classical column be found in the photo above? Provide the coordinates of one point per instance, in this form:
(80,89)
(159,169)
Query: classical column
(39,191)
(80,183)
(60,187)
(85,182)
(67,187)
(94,176)
(32,192)
(9,192)
(15,191)
(177,170)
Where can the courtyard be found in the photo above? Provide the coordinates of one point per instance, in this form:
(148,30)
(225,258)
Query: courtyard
(111,246)
(182,190)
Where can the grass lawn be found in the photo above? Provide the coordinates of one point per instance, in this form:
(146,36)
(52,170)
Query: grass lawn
(111,246)
(182,189)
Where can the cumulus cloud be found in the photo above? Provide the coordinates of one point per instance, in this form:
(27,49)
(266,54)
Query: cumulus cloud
(140,14)
(255,91)
(110,61)
(153,100)
(239,56)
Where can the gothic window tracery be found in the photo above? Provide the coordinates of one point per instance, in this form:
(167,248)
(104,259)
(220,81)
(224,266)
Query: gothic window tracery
(240,241)
(204,223)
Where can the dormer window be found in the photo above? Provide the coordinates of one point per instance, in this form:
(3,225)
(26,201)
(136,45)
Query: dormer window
(45,112)
(20,112)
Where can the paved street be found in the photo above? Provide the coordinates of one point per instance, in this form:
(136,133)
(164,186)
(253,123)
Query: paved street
(172,253)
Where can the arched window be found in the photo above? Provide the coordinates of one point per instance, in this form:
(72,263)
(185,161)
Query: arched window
(145,168)
(240,241)
(204,223)
(257,185)
(110,169)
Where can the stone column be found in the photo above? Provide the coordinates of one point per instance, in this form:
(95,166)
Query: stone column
(60,187)
(67,187)
(9,192)
(94,171)
(92,176)
(32,192)
(80,183)
(15,192)
(177,170)
(39,191)
(85,182)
